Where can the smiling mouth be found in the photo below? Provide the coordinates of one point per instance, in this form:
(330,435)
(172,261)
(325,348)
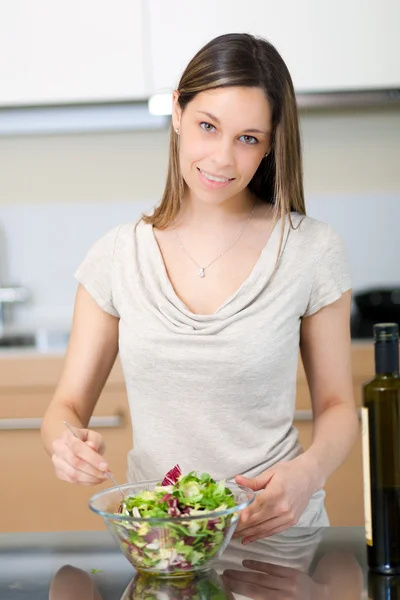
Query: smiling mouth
(216,178)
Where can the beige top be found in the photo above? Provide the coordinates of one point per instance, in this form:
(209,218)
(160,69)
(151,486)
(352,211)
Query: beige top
(216,392)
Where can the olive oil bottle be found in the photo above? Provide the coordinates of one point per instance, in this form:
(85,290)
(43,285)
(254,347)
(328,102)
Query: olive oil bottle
(383,587)
(381,453)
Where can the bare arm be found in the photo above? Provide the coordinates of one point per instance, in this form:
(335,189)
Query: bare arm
(326,354)
(91,353)
(288,486)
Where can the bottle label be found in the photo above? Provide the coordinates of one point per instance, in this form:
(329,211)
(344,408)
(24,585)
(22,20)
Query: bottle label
(366,475)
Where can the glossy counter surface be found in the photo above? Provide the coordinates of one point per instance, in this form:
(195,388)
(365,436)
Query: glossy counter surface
(298,564)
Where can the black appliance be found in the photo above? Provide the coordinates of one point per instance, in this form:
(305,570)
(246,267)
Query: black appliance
(374,305)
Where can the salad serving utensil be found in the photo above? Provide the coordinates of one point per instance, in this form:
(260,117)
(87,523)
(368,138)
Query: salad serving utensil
(108,473)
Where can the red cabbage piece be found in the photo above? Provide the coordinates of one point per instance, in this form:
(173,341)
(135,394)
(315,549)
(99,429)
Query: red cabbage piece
(172,476)
(183,564)
(174,512)
(212,524)
(173,509)
(165,498)
(154,534)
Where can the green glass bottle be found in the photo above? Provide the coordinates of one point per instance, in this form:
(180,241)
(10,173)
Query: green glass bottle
(381,453)
(383,587)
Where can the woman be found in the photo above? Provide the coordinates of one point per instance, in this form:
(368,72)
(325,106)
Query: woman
(208,300)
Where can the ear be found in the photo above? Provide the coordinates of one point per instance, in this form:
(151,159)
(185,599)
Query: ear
(176,111)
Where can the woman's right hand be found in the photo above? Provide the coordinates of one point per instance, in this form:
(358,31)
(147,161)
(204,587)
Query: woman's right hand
(79,459)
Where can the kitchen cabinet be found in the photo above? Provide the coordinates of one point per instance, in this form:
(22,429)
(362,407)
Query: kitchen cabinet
(33,499)
(72,52)
(69,52)
(344,489)
(326,45)
(344,501)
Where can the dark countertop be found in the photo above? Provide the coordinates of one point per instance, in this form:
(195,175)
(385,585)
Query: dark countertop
(308,564)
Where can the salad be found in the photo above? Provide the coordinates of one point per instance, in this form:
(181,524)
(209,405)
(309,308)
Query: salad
(176,543)
(147,587)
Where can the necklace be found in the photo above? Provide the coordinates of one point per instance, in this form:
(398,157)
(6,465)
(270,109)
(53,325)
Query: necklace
(202,271)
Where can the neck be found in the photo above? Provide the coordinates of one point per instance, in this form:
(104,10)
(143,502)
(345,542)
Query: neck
(231,211)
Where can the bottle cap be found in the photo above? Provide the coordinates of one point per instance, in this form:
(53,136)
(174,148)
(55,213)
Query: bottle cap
(386,332)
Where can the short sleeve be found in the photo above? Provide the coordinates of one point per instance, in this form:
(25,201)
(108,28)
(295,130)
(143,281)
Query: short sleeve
(332,273)
(95,273)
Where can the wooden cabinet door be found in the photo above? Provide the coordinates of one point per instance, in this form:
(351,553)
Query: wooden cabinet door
(32,498)
(344,489)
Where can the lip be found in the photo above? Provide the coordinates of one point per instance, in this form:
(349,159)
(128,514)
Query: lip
(215,174)
(213,184)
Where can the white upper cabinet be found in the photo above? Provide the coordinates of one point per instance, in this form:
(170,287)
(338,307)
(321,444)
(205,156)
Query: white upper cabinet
(84,51)
(340,45)
(71,51)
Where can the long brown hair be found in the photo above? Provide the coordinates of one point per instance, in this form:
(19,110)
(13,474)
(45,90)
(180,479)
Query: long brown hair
(241,59)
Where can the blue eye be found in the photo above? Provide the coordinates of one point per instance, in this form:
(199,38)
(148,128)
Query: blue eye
(206,126)
(250,137)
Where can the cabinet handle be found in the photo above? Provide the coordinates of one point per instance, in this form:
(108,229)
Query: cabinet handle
(307,415)
(34,423)
(303,415)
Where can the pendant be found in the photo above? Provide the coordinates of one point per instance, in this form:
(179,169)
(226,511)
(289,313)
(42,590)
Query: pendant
(201,272)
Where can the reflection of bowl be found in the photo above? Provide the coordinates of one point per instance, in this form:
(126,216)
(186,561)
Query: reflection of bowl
(205,586)
(170,545)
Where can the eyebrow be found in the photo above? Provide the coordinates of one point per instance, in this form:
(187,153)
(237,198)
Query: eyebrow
(214,118)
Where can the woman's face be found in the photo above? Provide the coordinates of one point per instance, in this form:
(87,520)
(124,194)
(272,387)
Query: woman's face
(224,134)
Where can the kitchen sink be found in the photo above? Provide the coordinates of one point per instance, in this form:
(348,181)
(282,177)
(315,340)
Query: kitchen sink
(41,340)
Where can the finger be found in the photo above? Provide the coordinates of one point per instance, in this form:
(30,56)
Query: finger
(94,447)
(64,477)
(96,441)
(277,530)
(287,579)
(75,475)
(259,579)
(265,580)
(81,450)
(267,506)
(75,478)
(249,590)
(267,500)
(92,438)
(270,568)
(263,529)
(255,518)
(61,475)
(67,473)
(66,448)
(255,483)
(250,513)
(81,465)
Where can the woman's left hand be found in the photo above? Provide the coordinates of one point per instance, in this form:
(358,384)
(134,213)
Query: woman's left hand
(287,489)
(266,580)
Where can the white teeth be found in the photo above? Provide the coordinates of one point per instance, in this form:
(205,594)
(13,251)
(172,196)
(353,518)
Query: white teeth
(213,178)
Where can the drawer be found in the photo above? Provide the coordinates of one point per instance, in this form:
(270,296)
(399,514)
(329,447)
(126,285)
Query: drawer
(32,498)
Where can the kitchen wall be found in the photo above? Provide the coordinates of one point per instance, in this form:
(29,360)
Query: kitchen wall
(59,193)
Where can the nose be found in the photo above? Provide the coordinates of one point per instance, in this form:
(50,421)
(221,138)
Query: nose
(223,154)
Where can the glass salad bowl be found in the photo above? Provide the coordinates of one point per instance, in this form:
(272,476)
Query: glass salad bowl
(203,586)
(171,545)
